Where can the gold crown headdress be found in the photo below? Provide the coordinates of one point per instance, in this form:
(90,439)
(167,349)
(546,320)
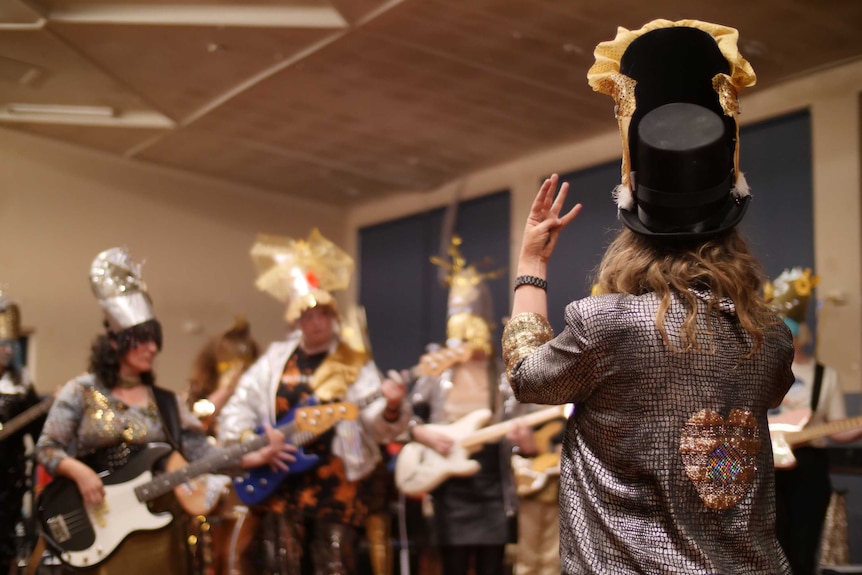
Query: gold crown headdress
(301,273)
(469,307)
(10,319)
(116,282)
(788,294)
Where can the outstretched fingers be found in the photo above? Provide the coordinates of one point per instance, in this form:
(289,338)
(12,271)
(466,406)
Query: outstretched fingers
(544,198)
(570,215)
(560,200)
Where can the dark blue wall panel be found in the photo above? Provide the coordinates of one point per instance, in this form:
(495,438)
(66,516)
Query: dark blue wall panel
(400,288)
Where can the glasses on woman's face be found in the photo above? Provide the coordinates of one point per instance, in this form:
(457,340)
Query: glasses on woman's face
(137,343)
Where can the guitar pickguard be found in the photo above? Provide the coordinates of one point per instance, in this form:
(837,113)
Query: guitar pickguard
(86,535)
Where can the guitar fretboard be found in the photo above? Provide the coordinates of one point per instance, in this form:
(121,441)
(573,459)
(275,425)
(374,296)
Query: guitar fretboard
(222,459)
(499,430)
(822,430)
(316,418)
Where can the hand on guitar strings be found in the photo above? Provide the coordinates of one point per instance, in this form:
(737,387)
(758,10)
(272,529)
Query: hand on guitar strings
(277,454)
(439,442)
(88,481)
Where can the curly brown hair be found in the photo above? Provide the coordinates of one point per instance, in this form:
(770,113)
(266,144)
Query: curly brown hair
(108,348)
(637,264)
(236,345)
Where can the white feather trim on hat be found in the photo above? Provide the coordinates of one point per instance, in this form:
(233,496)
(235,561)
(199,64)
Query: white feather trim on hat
(740,188)
(623,197)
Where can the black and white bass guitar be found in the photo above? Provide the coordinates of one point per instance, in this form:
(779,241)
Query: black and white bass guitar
(86,535)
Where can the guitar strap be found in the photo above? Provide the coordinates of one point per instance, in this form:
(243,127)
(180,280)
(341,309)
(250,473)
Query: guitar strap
(166,401)
(818,383)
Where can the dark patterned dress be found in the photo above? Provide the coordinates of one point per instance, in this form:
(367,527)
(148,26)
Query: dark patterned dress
(323,494)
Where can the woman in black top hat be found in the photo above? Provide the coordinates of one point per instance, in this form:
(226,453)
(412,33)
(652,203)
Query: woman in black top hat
(666,463)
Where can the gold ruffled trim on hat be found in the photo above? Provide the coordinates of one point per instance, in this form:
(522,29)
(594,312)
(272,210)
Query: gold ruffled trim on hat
(609,53)
(522,335)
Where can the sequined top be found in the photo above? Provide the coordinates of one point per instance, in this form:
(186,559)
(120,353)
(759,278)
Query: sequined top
(666,463)
(85,417)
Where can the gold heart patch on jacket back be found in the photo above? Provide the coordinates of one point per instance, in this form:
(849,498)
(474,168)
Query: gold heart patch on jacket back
(720,455)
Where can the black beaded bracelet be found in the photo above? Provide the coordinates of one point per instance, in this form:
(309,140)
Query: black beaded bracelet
(531,281)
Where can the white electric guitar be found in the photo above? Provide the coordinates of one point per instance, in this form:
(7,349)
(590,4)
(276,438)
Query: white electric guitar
(787,430)
(419,469)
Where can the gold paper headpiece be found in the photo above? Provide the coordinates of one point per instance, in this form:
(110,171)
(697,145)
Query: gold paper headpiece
(788,294)
(301,273)
(469,310)
(10,319)
(116,282)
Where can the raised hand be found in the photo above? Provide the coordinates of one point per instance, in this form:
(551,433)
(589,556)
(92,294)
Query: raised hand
(545,223)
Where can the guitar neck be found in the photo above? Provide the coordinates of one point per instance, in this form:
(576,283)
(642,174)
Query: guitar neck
(822,430)
(26,417)
(222,459)
(499,430)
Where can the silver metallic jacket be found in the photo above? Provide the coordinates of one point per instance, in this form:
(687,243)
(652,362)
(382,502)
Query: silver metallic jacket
(355,442)
(666,464)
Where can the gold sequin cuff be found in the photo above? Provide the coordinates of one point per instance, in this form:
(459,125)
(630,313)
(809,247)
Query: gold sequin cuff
(522,335)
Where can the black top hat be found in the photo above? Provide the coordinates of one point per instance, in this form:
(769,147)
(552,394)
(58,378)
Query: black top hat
(685,174)
(675,86)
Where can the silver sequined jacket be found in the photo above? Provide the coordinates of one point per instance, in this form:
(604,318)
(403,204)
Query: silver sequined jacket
(667,464)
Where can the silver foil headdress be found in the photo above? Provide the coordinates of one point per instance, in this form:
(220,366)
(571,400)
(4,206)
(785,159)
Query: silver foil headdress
(117,284)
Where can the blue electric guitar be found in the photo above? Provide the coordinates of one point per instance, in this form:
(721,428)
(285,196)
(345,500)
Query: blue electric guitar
(257,484)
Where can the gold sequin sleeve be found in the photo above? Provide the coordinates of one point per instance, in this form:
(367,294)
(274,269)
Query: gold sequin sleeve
(523,334)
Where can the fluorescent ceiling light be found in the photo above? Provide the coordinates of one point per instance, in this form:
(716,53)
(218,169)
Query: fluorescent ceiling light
(61,110)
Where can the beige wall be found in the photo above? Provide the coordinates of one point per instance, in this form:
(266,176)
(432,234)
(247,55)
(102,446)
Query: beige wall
(833,98)
(60,206)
